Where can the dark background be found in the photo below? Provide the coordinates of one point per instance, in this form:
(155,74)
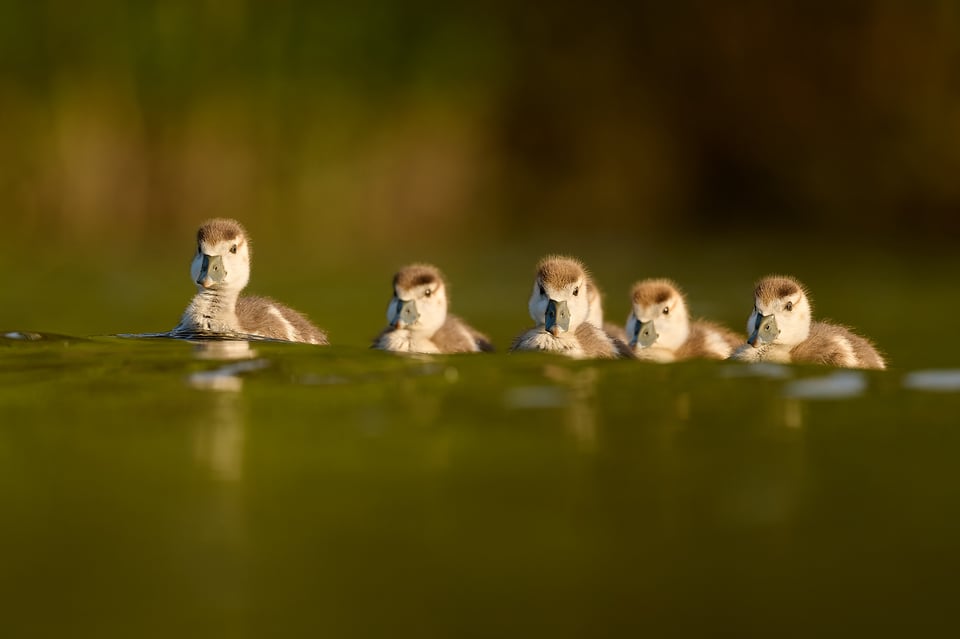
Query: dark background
(373,119)
(710,142)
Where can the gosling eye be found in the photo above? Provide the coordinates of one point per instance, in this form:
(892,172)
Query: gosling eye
(789,306)
(542,292)
(576,291)
(233,249)
(427,292)
(666,310)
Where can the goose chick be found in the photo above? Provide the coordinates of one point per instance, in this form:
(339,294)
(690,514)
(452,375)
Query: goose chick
(418,319)
(781,330)
(560,307)
(221,270)
(659,326)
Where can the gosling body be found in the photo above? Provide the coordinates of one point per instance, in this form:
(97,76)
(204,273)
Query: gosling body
(561,310)
(418,321)
(781,330)
(659,327)
(221,270)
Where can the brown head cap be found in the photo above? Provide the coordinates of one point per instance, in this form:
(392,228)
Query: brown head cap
(650,292)
(774,287)
(417,275)
(560,271)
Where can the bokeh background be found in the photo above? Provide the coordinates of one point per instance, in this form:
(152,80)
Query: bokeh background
(711,142)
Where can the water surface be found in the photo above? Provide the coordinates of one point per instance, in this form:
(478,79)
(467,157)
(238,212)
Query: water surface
(159,487)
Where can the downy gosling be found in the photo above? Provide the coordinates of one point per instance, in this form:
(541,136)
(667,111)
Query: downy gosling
(659,327)
(417,317)
(781,330)
(221,270)
(560,307)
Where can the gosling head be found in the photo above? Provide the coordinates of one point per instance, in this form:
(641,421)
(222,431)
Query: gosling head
(659,317)
(419,299)
(559,302)
(781,312)
(222,260)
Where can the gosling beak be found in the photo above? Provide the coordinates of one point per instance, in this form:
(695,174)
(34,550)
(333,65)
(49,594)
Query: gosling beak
(406,313)
(557,318)
(212,271)
(644,333)
(765,331)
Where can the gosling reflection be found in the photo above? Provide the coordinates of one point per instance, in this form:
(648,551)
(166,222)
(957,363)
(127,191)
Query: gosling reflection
(220,429)
(580,416)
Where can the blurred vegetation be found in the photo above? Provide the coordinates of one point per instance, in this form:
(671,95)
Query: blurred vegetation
(370,123)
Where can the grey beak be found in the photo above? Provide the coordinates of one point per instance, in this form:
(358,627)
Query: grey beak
(406,313)
(765,331)
(644,333)
(557,317)
(211,268)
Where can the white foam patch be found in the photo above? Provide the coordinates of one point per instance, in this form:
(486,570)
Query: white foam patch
(839,385)
(937,380)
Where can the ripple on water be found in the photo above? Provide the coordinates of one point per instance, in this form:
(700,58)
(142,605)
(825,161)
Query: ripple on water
(759,369)
(838,385)
(535,397)
(940,380)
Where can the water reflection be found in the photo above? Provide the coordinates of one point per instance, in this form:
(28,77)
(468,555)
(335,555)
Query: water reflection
(575,397)
(220,432)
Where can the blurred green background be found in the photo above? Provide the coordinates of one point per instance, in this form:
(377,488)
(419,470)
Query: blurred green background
(711,142)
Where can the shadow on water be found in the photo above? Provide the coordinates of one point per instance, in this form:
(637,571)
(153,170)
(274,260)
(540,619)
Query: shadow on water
(232,483)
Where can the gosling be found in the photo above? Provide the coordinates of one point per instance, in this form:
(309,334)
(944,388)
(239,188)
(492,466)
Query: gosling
(559,306)
(221,270)
(781,330)
(417,317)
(659,327)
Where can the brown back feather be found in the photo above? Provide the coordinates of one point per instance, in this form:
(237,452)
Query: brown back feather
(595,343)
(455,336)
(255,318)
(696,344)
(820,348)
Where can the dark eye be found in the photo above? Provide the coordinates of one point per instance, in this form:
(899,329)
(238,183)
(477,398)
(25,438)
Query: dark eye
(666,310)
(427,292)
(576,291)
(233,249)
(542,292)
(789,306)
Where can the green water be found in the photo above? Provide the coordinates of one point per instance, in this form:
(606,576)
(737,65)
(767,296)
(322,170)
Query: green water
(156,488)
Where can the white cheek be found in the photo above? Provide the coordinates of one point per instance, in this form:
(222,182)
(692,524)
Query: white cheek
(580,307)
(434,309)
